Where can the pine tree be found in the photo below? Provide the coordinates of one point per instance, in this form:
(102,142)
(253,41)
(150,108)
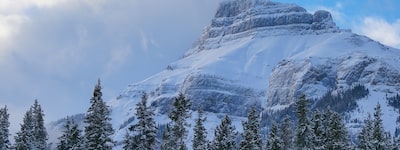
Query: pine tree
(179,115)
(167,139)
(251,135)
(287,135)
(224,136)
(304,134)
(318,130)
(71,138)
(39,129)
(144,132)
(378,133)
(365,136)
(338,133)
(200,133)
(98,128)
(33,134)
(25,138)
(4,131)
(274,141)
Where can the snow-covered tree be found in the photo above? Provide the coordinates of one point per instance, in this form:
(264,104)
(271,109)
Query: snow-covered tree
(337,132)
(71,139)
(179,114)
(33,134)
(365,136)
(224,136)
(143,133)
(98,129)
(251,132)
(200,133)
(304,134)
(25,138)
(167,142)
(40,132)
(274,140)
(318,130)
(287,135)
(4,131)
(379,139)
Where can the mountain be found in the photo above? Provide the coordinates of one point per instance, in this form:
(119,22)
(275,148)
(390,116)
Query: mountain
(266,54)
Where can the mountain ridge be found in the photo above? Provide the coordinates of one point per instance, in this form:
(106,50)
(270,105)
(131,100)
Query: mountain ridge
(241,61)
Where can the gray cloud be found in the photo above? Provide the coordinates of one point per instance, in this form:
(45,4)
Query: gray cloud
(56,51)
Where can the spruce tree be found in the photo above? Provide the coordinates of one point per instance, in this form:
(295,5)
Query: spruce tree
(274,140)
(200,133)
(179,114)
(251,135)
(71,138)
(304,134)
(33,134)
(98,129)
(365,136)
(4,131)
(144,132)
(378,133)
(224,136)
(287,135)
(25,138)
(39,129)
(167,142)
(318,130)
(338,133)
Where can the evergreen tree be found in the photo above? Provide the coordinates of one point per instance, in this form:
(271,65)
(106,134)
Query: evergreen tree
(128,141)
(4,131)
(200,133)
(318,130)
(179,115)
(224,136)
(33,134)
(304,134)
(25,138)
(98,128)
(71,138)
(145,130)
(39,128)
(365,136)
(251,135)
(274,141)
(287,135)
(338,133)
(378,133)
(167,139)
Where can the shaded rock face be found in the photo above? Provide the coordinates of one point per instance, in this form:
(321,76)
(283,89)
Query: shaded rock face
(242,15)
(290,79)
(215,94)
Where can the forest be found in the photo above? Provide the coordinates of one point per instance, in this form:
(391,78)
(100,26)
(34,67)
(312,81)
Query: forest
(315,129)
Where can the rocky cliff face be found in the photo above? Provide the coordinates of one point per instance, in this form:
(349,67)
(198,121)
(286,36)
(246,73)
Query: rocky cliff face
(240,18)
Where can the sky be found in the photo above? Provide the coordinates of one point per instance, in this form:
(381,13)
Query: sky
(55,50)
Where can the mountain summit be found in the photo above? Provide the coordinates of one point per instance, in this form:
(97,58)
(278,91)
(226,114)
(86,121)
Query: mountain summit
(238,18)
(266,54)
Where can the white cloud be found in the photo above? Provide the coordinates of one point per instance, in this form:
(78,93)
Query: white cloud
(381,30)
(117,59)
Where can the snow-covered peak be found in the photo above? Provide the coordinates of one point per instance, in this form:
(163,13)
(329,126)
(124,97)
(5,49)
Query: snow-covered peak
(236,19)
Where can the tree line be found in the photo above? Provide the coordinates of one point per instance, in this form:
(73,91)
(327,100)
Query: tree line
(308,130)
